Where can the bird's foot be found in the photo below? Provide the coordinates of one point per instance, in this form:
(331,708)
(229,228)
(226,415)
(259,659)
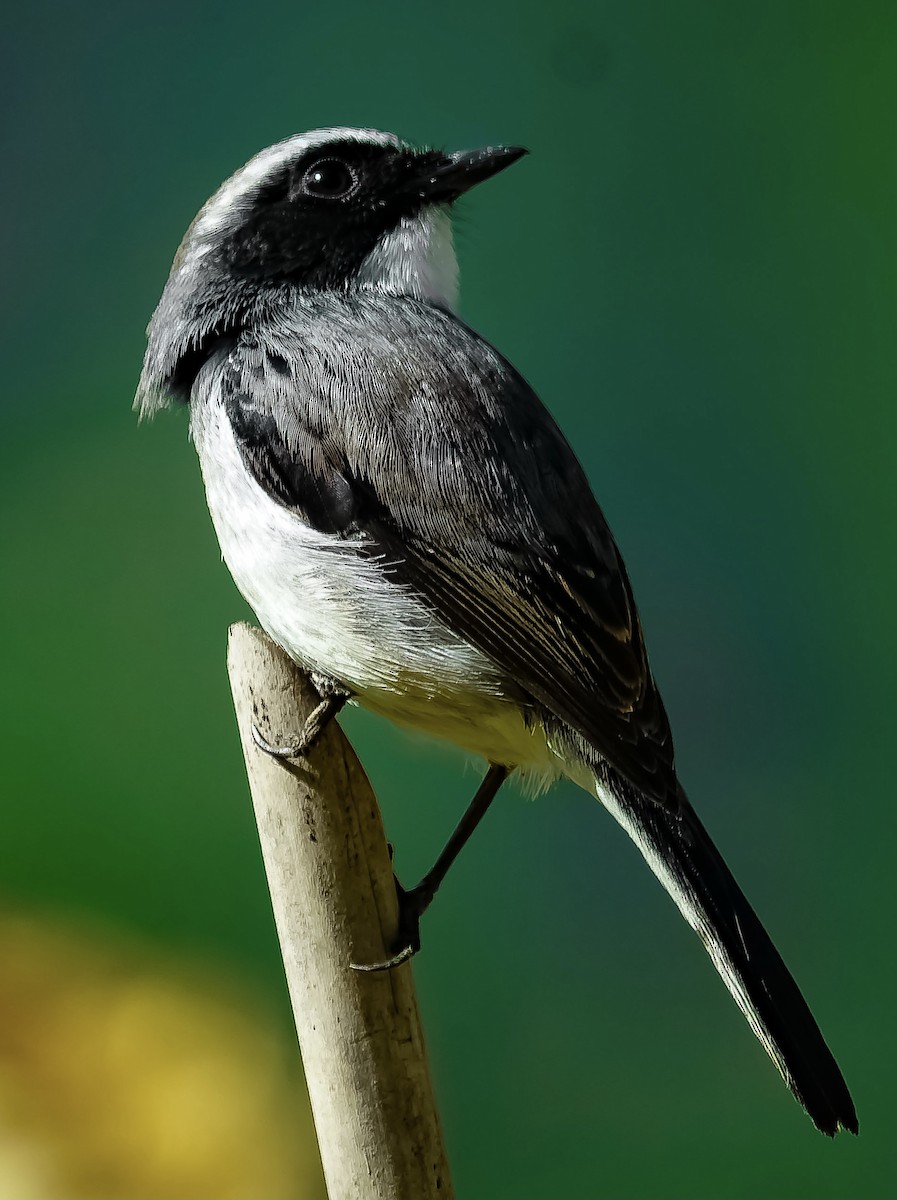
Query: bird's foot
(333,697)
(413,904)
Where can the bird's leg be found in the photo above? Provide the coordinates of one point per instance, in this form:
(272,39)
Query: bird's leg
(414,902)
(333,697)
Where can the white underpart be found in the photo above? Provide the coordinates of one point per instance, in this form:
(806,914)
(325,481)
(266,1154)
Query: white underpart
(334,611)
(417,259)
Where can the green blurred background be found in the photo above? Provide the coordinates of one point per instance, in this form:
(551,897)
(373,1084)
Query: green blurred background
(696,269)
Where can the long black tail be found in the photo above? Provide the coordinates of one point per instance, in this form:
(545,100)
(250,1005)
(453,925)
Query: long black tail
(680,853)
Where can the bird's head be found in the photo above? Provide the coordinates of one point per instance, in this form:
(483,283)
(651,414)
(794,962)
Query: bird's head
(330,210)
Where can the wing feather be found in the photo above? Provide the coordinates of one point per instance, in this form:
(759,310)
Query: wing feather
(433,453)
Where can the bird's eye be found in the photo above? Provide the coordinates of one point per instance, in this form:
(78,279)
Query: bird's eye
(329,179)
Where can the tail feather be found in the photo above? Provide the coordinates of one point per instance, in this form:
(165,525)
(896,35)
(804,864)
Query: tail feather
(680,853)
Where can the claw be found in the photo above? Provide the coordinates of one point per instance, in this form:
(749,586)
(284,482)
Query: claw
(332,701)
(278,751)
(412,906)
(403,956)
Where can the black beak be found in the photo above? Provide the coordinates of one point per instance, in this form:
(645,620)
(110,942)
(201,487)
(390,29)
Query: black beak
(450,176)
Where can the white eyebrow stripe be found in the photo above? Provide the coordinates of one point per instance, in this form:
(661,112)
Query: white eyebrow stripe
(238,192)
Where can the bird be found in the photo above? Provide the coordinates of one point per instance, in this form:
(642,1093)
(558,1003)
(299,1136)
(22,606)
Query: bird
(410,525)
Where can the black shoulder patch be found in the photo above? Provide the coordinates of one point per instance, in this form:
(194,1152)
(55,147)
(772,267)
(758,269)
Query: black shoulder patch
(299,478)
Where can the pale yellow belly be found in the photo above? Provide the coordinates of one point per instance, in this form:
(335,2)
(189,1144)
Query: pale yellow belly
(484,725)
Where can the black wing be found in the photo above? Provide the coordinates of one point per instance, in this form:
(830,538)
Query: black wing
(432,451)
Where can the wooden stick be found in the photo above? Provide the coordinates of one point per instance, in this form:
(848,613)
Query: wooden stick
(334,901)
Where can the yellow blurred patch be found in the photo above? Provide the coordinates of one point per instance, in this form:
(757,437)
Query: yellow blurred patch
(123,1075)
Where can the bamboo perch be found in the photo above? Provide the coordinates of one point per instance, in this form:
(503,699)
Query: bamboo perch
(332,891)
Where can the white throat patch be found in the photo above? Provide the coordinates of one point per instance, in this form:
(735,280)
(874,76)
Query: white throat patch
(417,259)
